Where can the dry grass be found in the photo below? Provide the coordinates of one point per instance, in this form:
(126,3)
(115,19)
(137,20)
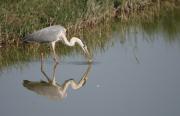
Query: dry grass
(20,17)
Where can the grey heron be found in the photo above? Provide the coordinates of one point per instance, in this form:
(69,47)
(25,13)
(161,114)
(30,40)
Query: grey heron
(55,33)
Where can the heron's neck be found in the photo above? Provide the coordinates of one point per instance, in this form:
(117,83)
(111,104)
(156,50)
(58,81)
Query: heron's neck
(72,41)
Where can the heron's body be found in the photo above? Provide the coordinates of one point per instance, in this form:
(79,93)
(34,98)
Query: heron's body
(48,34)
(53,34)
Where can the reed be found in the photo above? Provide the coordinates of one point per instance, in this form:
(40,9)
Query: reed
(90,20)
(20,17)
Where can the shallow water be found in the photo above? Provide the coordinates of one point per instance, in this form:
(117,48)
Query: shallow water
(140,77)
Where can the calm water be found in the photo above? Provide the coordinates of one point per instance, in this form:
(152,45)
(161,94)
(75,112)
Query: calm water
(140,77)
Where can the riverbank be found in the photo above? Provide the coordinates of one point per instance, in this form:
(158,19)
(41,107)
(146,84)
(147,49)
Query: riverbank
(18,18)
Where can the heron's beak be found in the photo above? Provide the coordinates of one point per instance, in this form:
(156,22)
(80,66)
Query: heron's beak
(88,55)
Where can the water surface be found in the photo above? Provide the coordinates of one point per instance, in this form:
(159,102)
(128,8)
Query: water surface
(138,76)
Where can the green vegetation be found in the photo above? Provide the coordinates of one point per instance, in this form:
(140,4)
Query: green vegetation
(20,17)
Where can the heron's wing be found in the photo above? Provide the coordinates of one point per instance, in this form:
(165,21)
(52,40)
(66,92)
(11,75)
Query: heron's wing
(47,34)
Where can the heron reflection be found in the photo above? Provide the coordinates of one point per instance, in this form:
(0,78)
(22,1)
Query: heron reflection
(51,88)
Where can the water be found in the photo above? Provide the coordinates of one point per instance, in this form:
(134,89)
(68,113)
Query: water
(140,77)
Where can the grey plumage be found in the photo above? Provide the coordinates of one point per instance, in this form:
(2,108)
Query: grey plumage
(48,34)
(54,34)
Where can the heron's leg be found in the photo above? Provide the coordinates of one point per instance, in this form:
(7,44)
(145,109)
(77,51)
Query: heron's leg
(54,70)
(54,52)
(42,70)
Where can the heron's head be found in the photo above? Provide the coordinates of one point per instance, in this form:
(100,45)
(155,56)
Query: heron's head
(84,48)
(86,51)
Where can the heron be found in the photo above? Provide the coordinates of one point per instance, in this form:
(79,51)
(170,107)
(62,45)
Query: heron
(53,34)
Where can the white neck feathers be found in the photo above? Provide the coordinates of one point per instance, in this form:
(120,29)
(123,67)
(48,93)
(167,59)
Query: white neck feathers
(72,41)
